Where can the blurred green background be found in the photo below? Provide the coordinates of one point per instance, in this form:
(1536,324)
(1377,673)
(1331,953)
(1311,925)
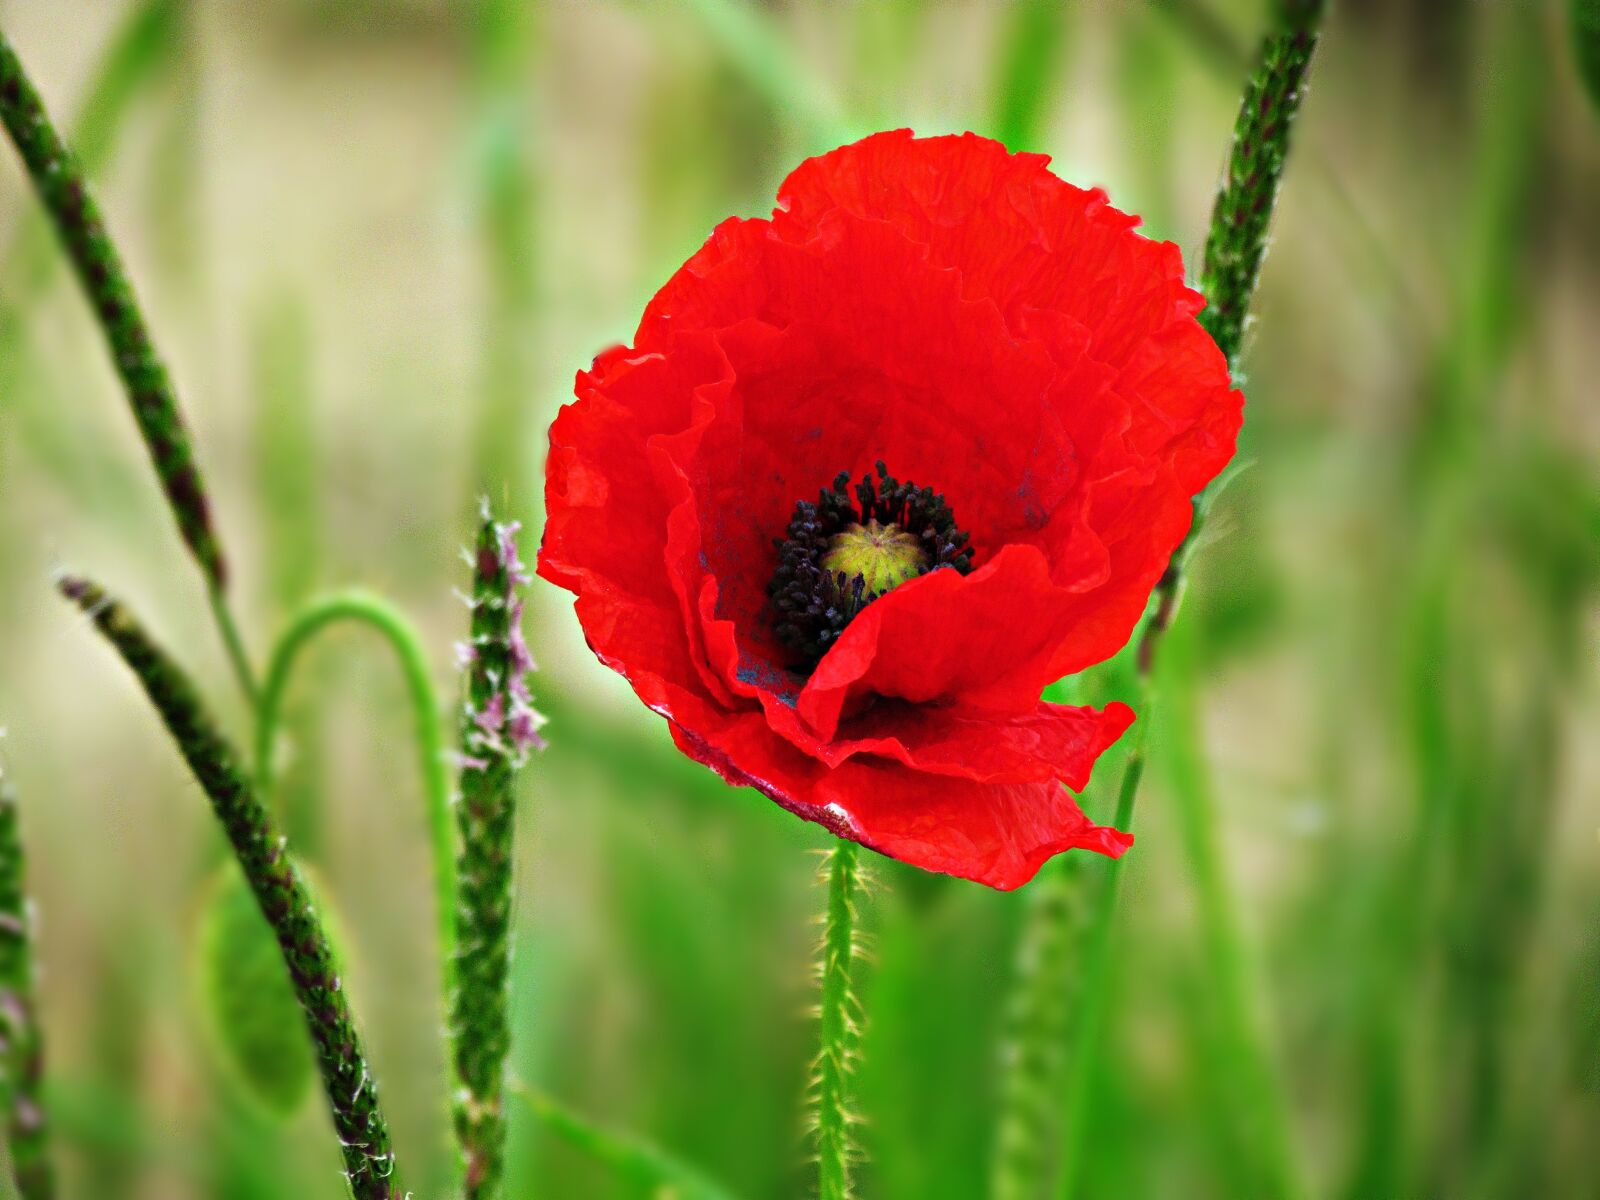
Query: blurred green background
(377,237)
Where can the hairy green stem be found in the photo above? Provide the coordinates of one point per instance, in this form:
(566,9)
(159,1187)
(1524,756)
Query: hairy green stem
(379,615)
(840,1029)
(21,1042)
(1234,251)
(279,889)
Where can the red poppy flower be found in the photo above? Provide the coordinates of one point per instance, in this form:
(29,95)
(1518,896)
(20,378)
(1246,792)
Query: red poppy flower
(872,657)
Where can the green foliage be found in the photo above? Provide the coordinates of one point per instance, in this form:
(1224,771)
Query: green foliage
(1036,39)
(1384,657)
(652,1171)
(1584,16)
(249,1002)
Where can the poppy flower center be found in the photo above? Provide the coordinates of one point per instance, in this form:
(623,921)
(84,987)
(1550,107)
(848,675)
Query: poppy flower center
(842,553)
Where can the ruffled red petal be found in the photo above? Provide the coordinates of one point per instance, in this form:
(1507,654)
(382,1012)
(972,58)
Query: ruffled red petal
(984,328)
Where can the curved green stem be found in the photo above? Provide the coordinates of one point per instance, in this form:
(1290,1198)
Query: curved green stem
(379,615)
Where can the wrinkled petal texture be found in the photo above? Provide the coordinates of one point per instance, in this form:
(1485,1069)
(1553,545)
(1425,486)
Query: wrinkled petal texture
(980,326)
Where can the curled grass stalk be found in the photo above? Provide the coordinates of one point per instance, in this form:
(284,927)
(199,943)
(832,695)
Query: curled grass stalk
(839,1025)
(383,618)
(279,889)
(21,1042)
(62,189)
(498,727)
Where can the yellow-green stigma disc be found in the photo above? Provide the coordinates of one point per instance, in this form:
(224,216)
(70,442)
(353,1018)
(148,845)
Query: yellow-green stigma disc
(883,556)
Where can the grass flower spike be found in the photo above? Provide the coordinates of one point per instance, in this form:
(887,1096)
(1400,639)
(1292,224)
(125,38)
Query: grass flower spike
(21,1044)
(499,726)
(281,892)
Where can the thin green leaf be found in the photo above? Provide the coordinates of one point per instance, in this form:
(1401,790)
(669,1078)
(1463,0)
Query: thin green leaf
(633,1159)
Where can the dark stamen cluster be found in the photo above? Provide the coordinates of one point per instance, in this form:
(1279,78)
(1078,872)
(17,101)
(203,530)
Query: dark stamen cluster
(812,605)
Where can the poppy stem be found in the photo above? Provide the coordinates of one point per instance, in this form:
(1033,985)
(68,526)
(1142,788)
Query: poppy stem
(62,189)
(279,889)
(21,1042)
(839,1023)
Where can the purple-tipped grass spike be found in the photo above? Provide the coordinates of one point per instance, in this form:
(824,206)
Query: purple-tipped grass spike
(499,726)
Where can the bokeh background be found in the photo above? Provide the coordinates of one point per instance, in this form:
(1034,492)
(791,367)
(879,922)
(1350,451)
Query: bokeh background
(377,237)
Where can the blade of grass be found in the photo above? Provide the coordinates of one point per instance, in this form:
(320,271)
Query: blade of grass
(1034,44)
(647,1167)
(503,37)
(279,889)
(1234,251)
(749,37)
(1095,990)
(1246,1072)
